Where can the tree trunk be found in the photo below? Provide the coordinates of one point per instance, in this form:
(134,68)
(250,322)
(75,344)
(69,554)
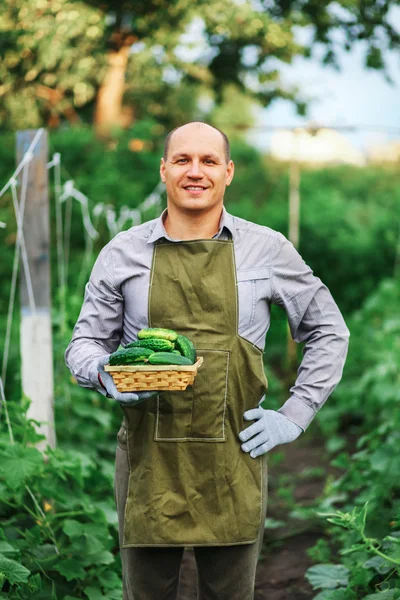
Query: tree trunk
(109,112)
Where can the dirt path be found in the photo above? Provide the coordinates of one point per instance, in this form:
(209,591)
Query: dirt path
(283,561)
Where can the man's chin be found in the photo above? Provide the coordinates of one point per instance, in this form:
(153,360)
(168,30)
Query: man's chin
(188,204)
(194,204)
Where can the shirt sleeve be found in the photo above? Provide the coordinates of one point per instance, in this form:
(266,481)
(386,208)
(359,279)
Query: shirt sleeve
(98,330)
(314,318)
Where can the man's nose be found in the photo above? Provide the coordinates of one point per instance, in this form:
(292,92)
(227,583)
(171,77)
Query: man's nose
(195,169)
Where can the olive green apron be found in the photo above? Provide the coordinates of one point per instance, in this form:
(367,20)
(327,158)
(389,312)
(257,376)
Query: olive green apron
(190,484)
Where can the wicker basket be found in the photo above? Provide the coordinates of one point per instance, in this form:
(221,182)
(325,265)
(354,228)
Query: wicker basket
(131,378)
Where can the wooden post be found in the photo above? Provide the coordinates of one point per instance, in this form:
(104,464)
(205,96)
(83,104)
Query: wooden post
(294,203)
(294,229)
(35,332)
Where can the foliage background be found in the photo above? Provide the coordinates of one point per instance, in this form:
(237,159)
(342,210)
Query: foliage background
(108,81)
(54,513)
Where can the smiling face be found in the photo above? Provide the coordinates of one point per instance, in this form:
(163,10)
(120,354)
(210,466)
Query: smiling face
(195,171)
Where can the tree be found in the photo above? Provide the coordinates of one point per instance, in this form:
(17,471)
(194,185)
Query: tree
(109,63)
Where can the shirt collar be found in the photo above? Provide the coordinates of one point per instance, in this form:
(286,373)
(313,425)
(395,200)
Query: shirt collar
(159,230)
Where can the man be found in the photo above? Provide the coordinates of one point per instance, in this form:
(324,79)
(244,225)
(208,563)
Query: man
(189,470)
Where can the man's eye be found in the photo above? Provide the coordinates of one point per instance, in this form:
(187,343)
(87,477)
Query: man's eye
(209,161)
(181,160)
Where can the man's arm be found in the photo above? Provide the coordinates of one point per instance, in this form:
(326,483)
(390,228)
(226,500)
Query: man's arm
(98,330)
(314,318)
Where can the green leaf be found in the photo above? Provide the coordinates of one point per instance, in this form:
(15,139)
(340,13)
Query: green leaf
(13,571)
(374,59)
(103,558)
(386,595)
(94,594)
(379,564)
(361,518)
(99,557)
(327,514)
(110,580)
(98,530)
(339,594)
(73,528)
(385,461)
(88,411)
(95,552)
(335,443)
(68,463)
(273,523)
(109,511)
(7,549)
(391,538)
(340,522)
(45,552)
(328,576)
(18,463)
(353,548)
(35,584)
(70,569)
(114,594)
(393,552)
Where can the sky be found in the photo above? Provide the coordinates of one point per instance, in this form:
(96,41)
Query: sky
(354,96)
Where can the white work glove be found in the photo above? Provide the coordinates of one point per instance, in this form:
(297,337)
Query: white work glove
(124,398)
(271,428)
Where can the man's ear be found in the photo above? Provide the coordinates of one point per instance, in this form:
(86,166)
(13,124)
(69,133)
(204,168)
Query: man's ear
(230,170)
(162,170)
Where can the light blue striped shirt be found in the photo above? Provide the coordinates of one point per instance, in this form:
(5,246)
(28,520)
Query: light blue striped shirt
(269,270)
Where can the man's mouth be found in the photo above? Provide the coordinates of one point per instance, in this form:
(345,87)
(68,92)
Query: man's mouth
(194,188)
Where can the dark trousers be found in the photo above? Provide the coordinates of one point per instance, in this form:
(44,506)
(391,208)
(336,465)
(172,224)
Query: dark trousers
(151,573)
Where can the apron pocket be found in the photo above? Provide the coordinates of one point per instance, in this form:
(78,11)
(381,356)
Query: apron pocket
(174,414)
(198,413)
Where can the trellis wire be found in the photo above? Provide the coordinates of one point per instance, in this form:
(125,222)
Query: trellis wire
(63,193)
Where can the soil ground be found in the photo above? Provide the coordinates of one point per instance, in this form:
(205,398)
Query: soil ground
(284,559)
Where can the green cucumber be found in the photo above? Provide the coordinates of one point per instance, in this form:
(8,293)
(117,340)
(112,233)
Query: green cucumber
(186,347)
(168,358)
(158,332)
(155,344)
(130,356)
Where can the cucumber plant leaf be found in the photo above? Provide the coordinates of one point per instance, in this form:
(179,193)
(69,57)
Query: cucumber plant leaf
(328,576)
(13,571)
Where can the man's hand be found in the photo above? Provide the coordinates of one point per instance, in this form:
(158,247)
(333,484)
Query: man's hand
(124,398)
(272,428)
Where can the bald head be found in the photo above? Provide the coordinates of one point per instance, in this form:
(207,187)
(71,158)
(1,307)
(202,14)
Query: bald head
(193,127)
